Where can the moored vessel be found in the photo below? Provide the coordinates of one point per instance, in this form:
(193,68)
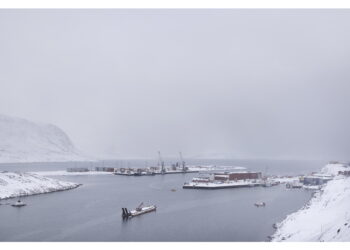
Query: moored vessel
(141,209)
(18,203)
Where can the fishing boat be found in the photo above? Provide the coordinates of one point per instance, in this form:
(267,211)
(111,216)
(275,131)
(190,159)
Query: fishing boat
(18,203)
(260,204)
(141,209)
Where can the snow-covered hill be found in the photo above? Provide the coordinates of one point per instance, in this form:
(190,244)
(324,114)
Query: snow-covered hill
(334,168)
(326,217)
(25,141)
(13,184)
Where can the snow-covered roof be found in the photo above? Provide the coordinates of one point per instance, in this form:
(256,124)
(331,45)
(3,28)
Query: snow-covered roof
(222,175)
(333,169)
(320,176)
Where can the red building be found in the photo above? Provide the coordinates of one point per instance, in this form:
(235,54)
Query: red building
(235,176)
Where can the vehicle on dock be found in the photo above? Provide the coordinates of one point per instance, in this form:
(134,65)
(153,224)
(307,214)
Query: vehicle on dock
(141,209)
(19,203)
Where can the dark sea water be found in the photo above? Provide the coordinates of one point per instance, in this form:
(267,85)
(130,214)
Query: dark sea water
(92,212)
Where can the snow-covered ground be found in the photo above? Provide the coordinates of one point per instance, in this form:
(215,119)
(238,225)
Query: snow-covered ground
(326,217)
(14,184)
(25,141)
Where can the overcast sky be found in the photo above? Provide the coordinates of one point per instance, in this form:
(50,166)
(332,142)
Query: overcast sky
(240,83)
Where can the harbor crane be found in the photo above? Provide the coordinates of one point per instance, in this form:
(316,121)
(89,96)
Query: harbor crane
(139,208)
(161,163)
(182,163)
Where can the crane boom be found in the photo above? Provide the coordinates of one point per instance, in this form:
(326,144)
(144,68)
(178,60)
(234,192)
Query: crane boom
(182,162)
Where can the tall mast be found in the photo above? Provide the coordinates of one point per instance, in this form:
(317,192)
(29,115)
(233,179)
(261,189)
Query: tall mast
(182,162)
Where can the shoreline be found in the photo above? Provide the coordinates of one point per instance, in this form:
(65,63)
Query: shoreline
(324,217)
(20,184)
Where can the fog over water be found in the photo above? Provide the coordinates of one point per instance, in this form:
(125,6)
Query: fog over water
(233,83)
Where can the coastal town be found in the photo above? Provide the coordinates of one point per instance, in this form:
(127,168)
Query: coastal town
(218,177)
(205,177)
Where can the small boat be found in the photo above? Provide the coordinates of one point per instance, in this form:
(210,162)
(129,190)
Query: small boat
(141,209)
(18,203)
(260,204)
(275,183)
(267,184)
(150,173)
(173,190)
(144,174)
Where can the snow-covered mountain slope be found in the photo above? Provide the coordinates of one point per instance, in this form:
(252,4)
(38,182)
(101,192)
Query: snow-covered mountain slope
(13,184)
(325,218)
(26,141)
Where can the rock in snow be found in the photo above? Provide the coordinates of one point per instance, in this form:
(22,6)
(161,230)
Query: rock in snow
(14,184)
(26,141)
(325,218)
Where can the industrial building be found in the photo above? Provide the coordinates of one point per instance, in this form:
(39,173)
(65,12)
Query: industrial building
(104,169)
(77,170)
(316,179)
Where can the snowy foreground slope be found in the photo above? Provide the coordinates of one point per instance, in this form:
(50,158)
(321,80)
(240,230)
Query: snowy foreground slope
(26,141)
(13,184)
(325,218)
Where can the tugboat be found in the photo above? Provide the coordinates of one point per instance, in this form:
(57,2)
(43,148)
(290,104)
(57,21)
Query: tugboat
(141,209)
(18,203)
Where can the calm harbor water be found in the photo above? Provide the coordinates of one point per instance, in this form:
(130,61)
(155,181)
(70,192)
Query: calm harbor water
(92,212)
